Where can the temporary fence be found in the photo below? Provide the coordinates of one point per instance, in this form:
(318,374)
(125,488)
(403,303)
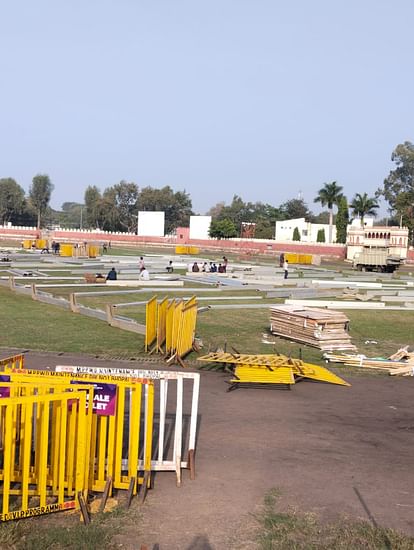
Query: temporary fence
(270,369)
(44,439)
(304,259)
(13,362)
(151,310)
(179,426)
(171,325)
(181,249)
(119,433)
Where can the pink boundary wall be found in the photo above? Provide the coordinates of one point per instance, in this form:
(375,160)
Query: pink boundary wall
(238,246)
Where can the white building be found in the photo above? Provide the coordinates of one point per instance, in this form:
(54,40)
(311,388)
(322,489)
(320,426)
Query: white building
(308,231)
(369,236)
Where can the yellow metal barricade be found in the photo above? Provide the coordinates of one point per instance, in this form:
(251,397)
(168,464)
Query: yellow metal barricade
(304,259)
(245,375)
(123,408)
(67,250)
(169,322)
(184,250)
(186,333)
(299,368)
(151,310)
(13,362)
(176,325)
(92,250)
(172,322)
(162,324)
(45,451)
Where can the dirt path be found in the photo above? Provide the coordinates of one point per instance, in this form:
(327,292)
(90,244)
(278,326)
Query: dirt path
(329,449)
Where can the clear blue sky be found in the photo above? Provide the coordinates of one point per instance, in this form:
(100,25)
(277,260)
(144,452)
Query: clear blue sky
(262,98)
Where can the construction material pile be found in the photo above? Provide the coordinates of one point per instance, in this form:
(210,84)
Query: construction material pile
(259,370)
(400,363)
(320,328)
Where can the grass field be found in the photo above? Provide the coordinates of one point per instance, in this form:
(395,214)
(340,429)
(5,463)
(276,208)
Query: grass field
(297,531)
(39,326)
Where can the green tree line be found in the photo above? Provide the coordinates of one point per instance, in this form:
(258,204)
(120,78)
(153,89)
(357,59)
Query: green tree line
(116,207)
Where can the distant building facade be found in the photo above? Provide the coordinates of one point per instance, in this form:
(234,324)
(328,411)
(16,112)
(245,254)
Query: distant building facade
(308,231)
(359,237)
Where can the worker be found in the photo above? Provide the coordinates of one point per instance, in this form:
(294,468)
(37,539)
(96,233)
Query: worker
(225,262)
(141,263)
(286,268)
(195,268)
(144,274)
(112,275)
(169,267)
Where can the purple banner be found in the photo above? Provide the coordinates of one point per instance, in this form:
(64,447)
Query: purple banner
(104,398)
(4,392)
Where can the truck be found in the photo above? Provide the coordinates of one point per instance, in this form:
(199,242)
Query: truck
(376,259)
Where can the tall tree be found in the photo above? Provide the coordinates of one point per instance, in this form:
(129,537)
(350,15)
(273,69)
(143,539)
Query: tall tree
(362,205)
(93,206)
(329,195)
(126,198)
(12,201)
(398,187)
(342,220)
(39,193)
(295,208)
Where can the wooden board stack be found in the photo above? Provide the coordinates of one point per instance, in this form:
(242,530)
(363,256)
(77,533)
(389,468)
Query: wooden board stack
(400,363)
(320,328)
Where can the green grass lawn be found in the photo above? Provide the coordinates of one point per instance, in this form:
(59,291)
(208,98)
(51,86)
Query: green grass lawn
(39,326)
(32,325)
(298,531)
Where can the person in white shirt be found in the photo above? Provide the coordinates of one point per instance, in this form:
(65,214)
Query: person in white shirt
(144,275)
(286,268)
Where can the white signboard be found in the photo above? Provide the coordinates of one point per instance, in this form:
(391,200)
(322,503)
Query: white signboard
(199,227)
(151,224)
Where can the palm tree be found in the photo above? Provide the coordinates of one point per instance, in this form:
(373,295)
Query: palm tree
(362,205)
(329,195)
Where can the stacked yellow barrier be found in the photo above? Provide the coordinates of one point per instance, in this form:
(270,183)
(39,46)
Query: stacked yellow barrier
(171,324)
(270,369)
(184,250)
(304,259)
(68,442)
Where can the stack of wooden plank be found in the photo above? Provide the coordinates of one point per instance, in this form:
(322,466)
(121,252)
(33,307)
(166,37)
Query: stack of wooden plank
(320,328)
(400,363)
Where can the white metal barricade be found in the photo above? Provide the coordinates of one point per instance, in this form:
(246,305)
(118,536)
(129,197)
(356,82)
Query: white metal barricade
(161,461)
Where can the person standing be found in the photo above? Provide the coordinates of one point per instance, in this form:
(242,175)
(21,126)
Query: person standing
(141,263)
(286,268)
(225,262)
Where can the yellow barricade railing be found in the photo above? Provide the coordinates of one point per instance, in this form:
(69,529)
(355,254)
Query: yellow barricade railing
(39,459)
(162,324)
(119,432)
(151,322)
(172,322)
(13,362)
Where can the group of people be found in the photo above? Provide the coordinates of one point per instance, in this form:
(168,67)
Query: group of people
(211,267)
